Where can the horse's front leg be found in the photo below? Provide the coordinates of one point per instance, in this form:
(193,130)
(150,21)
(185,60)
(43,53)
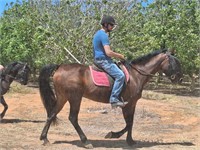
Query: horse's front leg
(73,117)
(128,113)
(129,116)
(118,134)
(3,102)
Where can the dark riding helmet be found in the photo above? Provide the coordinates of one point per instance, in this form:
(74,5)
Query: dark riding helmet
(108,20)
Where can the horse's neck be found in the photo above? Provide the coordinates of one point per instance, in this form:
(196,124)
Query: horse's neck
(8,77)
(154,64)
(147,70)
(12,73)
(5,84)
(5,80)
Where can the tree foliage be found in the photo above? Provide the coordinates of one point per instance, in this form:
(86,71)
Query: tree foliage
(41,32)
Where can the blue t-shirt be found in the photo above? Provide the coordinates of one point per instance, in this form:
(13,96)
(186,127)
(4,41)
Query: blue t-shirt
(100,39)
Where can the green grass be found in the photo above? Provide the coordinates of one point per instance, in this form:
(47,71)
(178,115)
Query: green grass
(18,88)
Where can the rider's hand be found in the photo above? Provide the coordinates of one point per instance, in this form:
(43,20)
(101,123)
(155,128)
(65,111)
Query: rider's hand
(122,58)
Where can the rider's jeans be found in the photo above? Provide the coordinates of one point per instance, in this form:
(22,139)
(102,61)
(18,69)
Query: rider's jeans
(112,69)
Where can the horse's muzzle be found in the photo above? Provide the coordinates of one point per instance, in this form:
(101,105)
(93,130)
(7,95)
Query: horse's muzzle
(180,80)
(174,78)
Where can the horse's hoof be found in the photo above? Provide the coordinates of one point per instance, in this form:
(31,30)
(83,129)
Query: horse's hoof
(1,119)
(131,142)
(46,142)
(88,145)
(109,135)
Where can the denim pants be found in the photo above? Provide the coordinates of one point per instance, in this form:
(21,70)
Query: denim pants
(112,69)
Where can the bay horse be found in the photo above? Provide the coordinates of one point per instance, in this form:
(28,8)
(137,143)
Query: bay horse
(15,71)
(73,81)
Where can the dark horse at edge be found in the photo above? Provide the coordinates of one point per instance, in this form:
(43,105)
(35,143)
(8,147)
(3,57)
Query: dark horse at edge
(73,81)
(15,71)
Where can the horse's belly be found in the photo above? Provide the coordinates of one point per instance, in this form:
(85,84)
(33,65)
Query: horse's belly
(98,95)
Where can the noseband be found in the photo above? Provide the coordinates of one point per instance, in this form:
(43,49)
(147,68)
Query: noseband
(172,67)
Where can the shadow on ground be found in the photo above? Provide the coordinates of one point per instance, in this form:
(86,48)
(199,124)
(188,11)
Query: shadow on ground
(5,121)
(122,144)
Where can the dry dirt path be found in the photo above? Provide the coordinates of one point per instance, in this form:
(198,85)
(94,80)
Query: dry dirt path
(170,124)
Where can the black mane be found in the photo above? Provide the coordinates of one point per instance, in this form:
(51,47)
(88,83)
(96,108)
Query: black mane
(9,67)
(145,58)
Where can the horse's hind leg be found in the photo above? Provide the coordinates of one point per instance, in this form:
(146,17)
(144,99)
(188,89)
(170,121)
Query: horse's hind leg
(46,128)
(73,117)
(3,102)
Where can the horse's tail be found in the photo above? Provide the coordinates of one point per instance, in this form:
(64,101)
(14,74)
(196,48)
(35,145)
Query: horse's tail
(46,92)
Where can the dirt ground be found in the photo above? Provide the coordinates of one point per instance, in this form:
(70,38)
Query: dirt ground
(166,122)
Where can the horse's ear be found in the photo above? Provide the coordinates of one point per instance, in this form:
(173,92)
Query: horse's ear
(171,51)
(164,50)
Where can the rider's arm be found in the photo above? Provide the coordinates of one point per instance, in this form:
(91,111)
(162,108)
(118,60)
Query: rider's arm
(111,53)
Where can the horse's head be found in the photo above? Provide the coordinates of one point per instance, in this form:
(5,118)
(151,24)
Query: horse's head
(23,73)
(172,69)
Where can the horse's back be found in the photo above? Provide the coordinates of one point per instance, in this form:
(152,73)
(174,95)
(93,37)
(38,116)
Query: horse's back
(71,70)
(70,75)
(76,79)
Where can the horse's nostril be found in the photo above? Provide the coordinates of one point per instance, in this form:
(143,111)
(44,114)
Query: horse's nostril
(181,79)
(173,77)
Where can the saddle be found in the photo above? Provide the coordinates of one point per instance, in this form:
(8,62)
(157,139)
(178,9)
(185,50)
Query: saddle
(101,78)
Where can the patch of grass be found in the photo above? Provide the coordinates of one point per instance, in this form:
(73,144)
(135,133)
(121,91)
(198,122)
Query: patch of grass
(18,88)
(156,96)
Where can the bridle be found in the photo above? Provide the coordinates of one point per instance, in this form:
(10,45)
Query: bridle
(21,71)
(6,79)
(12,77)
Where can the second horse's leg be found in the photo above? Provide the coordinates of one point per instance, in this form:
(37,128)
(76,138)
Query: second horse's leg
(3,102)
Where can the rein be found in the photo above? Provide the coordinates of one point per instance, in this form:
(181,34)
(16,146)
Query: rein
(10,76)
(142,72)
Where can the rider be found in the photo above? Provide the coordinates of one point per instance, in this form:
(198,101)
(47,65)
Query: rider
(1,67)
(103,57)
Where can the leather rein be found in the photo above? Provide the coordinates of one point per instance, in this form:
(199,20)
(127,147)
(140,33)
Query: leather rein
(142,72)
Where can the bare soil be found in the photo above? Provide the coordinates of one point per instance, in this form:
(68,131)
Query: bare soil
(163,121)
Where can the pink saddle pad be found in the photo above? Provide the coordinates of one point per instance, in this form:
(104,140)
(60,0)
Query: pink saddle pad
(102,79)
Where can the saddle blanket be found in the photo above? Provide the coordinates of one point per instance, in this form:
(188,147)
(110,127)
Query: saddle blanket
(102,78)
